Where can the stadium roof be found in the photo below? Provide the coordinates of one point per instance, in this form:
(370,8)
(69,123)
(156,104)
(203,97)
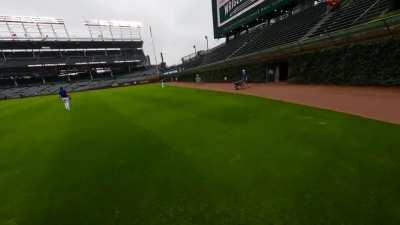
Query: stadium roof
(114,23)
(29,19)
(22,28)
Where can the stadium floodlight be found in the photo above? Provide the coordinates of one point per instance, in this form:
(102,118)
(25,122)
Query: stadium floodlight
(31,28)
(116,30)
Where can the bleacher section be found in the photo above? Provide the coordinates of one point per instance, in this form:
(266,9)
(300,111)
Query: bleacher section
(286,31)
(308,23)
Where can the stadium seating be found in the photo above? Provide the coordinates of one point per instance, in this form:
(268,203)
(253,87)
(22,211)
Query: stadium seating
(9,92)
(14,55)
(96,53)
(73,53)
(312,22)
(357,12)
(285,31)
(50,55)
(194,62)
(226,50)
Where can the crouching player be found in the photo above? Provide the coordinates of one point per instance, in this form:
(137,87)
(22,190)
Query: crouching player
(65,98)
(242,83)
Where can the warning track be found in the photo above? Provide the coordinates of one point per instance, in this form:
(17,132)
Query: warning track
(379,103)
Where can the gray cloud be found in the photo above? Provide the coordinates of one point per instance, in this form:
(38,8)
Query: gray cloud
(177,24)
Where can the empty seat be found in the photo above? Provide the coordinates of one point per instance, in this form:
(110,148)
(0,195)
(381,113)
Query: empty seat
(286,31)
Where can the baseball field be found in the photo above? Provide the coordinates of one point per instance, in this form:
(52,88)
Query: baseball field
(150,156)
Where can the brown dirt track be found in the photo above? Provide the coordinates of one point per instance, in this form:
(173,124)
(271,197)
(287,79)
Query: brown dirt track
(377,103)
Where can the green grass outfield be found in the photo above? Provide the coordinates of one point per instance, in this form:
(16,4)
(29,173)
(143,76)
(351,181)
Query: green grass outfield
(150,156)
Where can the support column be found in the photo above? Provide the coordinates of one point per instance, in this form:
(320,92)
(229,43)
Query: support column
(90,32)
(67,33)
(290,72)
(54,31)
(40,30)
(91,75)
(25,31)
(111,32)
(277,74)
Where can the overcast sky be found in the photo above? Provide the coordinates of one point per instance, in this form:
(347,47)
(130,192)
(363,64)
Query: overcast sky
(177,24)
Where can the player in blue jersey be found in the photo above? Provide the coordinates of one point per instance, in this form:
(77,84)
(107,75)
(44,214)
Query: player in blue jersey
(65,98)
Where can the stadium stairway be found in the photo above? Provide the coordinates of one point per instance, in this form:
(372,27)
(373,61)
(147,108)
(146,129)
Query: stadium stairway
(317,26)
(379,8)
(226,50)
(250,40)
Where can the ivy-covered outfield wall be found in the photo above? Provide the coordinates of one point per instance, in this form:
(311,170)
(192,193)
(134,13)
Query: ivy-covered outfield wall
(256,73)
(362,64)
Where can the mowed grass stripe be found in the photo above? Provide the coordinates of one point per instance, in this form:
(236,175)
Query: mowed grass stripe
(147,155)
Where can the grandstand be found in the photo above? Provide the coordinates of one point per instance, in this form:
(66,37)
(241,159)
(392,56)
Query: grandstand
(283,29)
(36,53)
(28,90)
